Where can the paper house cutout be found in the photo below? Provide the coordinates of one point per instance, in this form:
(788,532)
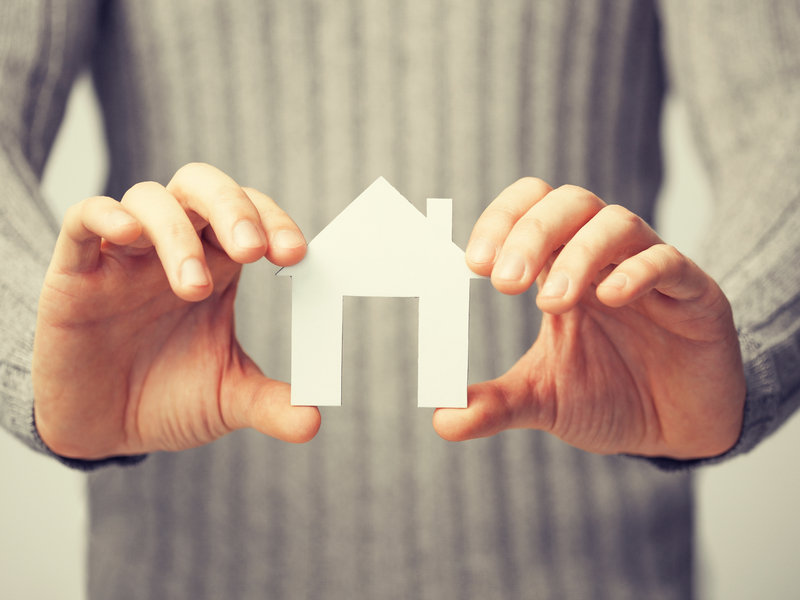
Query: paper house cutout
(381,245)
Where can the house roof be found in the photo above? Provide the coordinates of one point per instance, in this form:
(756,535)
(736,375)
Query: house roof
(381,240)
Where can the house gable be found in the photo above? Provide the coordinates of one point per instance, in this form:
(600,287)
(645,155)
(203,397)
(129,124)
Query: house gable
(381,245)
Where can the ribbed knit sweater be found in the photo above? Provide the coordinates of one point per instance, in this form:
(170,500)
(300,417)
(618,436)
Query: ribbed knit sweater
(310,101)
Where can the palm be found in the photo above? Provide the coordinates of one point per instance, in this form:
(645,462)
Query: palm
(600,374)
(590,394)
(181,369)
(643,379)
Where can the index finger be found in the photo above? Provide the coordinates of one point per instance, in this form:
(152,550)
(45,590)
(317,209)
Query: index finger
(499,218)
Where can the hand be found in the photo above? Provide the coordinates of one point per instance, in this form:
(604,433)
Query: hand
(637,351)
(135,348)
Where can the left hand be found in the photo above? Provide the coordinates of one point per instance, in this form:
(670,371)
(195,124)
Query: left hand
(637,351)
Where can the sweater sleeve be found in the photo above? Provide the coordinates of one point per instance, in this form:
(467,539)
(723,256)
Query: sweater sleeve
(43,46)
(736,66)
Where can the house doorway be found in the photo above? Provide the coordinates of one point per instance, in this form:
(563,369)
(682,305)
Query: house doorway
(380,340)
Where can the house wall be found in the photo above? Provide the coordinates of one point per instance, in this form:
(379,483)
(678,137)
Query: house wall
(444,345)
(316,345)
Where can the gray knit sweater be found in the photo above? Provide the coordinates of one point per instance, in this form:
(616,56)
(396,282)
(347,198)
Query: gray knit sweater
(312,100)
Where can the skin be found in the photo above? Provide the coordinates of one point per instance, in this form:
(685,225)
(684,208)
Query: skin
(135,349)
(637,351)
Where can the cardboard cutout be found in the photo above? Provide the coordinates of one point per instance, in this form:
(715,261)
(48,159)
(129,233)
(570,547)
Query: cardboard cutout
(381,245)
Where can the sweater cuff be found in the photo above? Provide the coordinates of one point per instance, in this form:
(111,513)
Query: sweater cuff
(78,463)
(18,418)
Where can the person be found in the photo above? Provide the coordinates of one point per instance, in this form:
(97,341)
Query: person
(131,353)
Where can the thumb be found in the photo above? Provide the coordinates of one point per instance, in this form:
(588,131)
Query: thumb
(492,407)
(265,405)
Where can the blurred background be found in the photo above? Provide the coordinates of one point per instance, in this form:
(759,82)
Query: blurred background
(748,534)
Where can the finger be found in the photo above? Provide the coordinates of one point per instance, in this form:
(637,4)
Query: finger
(221,202)
(265,405)
(499,218)
(611,236)
(490,411)
(247,224)
(487,414)
(493,406)
(547,226)
(78,246)
(286,244)
(659,267)
(167,226)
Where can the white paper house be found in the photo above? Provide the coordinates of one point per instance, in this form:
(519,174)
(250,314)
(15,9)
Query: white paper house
(381,245)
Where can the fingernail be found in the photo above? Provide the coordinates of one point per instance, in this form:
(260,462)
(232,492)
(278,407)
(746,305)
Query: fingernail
(119,218)
(286,238)
(555,286)
(192,273)
(246,235)
(510,267)
(481,252)
(616,280)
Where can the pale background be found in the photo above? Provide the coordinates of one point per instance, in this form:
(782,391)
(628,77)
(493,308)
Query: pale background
(748,517)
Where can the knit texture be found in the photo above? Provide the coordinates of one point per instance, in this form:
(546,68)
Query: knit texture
(310,101)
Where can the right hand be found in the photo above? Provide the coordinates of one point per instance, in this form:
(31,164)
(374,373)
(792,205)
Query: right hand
(135,347)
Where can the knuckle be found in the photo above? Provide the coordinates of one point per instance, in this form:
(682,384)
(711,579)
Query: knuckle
(582,251)
(179,231)
(141,190)
(582,196)
(671,258)
(514,201)
(620,212)
(264,204)
(184,176)
(665,259)
(651,262)
(254,193)
(75,213)
(229,198)
(533,185)
(502,213)
(537,225)
(675,261)
(672,253)
(629,222)
(90,204)
(89,210)
(81,220)
(74,221)
(229,204)
(569,189)
(189,170)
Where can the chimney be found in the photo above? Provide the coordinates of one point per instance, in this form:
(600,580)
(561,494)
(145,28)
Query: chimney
(440,217)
